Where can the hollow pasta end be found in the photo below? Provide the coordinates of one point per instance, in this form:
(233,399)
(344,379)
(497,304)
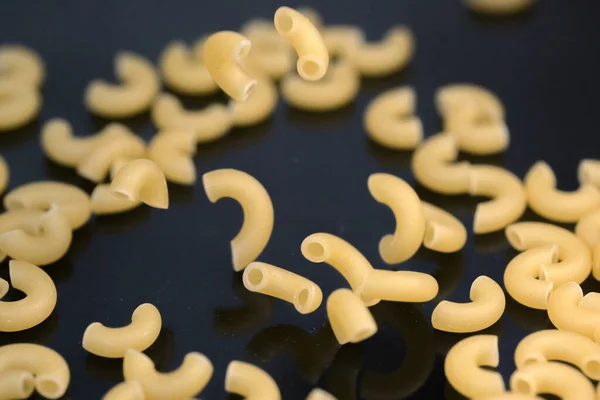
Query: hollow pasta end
(314,249)
(48,387)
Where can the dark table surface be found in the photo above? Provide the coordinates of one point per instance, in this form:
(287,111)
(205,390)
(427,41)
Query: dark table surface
(545,67)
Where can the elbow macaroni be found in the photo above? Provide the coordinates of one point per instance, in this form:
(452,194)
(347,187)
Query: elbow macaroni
(102,201)
(16,384)
(476,136)
(453,98)
(444,233)
(131,390)
(250,382)
(588,229)
(172,152)
(554,378)
(19,104)
(403,286)
(142,180)
(319,394)
(4,174)
(339,39)
(271,54)
(259,106)
(350,319)
(566,312)
(21,64)
(184,70)
(589,172)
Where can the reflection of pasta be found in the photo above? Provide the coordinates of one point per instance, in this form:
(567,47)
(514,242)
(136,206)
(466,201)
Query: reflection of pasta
(313,58)
(339,38)
(49,368)
(443,231)
(319,394)
(566,312)
(552,344)
(554,378)
(73,202)
(575,259)
(140,86)
(102,201)
(114,342)
(183,69)
(498,7)
(390,122)
(509,198)
(173,152)
(210,123)
(338,89)
(256,205)
(556,205)
(223,51)
(21,64)
(405,286)
(486,308)
(131,390)
(524,276)
(259,106)
(4,174)
(351,321)
(16,384)
(589,172)
(19,105)
(451,99)
(188,380)
(142,180)
(463,366)
(36,306)
(250,382)
(305,295)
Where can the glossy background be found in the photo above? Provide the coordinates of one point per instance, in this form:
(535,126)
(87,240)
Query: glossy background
(544,65)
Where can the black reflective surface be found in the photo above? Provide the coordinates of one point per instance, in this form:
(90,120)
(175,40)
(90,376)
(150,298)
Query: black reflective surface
(543,64)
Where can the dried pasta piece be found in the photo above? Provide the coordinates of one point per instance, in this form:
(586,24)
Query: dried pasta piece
(173,152)
(259,106)
(568,314)
(509,199)
(305,295)
(319,394)
(4,174)
(271,54)
(498,7)
(104,202)
(250,382)
(485,310)
(256,204)
(16,384)
(474,133)
(339,39)
(131,390)
(389,119)
(23,219)
(463,366)
(589,172)
(143,180)
(51,372)
(351,321)
(510,396)
(186,381)
(21,64)
(140,86)
(453,98)
(19,104)
(404,286)
(554,378)
(443,232)
(337,89)
(588,229)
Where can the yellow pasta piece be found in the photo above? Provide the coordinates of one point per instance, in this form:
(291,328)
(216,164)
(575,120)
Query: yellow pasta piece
(16,384)
(184,70)
(104,202)
(271,54)
(589,172)
(474,135)
(250,382)
(351,321)
(23,219)
(209,124)
(509,199)
(140,86)
(338,89)
(312,15)
(305,295)
(114,342)
(404,286)
(256,204)
(143,180)
(498,7)
(4,174)
(588,229)
(36,306)
(510,396)
(391,54)
(339,39)
(172,152)
(188,380)
(404,202)
(313,58)
(575,258)
(259,106)
(319,394)
(485,310)
(524,276)
(19,104)
(434,166)
(554,378)
(21,64)
(131,390)
(73,202)
(463,366)
(443,232)
(51,372)
(453,98)
(567,313)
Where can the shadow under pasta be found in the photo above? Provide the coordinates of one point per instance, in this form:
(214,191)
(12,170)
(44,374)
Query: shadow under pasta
(341,378)
(527,318)
(320,119)
(444,341)
(40,334)
(397,158)
(122,222)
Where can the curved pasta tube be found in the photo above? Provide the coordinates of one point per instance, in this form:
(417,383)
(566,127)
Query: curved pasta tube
(313,58)
(339,38)
(223,52)
(140,86)
(186,381)
(389,119)
(250,382)
(259,106)
(443,231)
(210,123)
(554,378)
(575,258)
(319,394)
(463,366)
(524,276)
(51,242)
(556,205)
(305,295)
(510,396)
(551,344)
(566,312)
(184,70)
(21,64)
(22,219)
(588,229)
(509,199)
(16,384)
(454,98)
(256,204)
(404,202)
(271,54)
(4,174)
(36,306)
(172,152)
(19,104)
(498,7)
(114,342)
(143,180)
(131,390)
(476,136)
(51,372)
(589,172)
(434,167)
(102,201)
(486,308)
(350,319)
(404,286)
(338,89)
(70,200)
(391,54)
